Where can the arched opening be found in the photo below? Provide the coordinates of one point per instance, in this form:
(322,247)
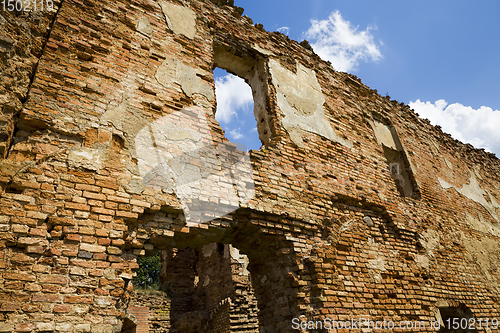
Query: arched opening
(221,274)
(201,289)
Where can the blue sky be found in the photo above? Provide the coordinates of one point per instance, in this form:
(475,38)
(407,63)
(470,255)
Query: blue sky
(441,57)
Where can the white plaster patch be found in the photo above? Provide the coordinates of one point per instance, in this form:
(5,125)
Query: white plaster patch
(181,20)
(261,50)
(174,74)
(176,153)
(301,99)
(422,261)
(474,192)
(241,258)
(483,253)
(144,27)
(482,224)
(429,240)
(378,263)
(444,184)
(88,158)
(384,135)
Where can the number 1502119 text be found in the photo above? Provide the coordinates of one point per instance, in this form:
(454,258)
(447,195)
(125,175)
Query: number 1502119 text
(26,5)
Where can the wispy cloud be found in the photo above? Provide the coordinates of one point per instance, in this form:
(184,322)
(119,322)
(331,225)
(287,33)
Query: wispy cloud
(235,134)
(233,94)
(284,30)
(478,127)
(336,40)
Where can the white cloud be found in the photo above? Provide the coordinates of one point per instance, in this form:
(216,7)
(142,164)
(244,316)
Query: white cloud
(480,127)
(284,30)
(343,45)
(236,134)
(233,94)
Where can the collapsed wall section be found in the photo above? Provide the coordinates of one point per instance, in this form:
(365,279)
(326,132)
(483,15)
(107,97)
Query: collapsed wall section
(329,227)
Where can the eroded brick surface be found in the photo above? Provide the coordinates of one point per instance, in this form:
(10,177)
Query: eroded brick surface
(362,210)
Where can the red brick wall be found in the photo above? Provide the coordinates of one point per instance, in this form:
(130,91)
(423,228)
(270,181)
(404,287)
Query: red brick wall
(142,314)
(327,234)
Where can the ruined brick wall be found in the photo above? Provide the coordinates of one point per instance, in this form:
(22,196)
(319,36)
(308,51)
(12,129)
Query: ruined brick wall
(142,315)
(209,289)
(158,307)
(23,38)
(360,208)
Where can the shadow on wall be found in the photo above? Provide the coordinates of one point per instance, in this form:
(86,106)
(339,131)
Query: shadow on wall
(176,153)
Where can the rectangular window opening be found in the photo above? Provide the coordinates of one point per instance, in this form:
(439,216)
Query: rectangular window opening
(397,160)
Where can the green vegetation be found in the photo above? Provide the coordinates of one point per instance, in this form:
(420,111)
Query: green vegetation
(148,274)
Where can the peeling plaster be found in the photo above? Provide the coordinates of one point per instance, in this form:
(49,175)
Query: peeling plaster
(481,224)
(261,50)
(209,179)
(301,99)
(378,263)
(88,158)
(174,74)
(144,26)
(474,192)
(429,240)
(384,135)
(242,259)
(181,20)
(485,254)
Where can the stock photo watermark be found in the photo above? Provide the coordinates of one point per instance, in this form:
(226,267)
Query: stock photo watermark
(415,325)
(26,5)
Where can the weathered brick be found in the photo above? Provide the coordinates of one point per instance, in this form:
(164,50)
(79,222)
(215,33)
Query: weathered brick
(79,299)
(61,220)
(19,276)
(77,206)
(92,248)
(103,211)
(10,307)
(62,308)
(95,196)
(86,187)
(359,207)
(107,184)
(53,279)
(20,229)
(47,298)
(121,213)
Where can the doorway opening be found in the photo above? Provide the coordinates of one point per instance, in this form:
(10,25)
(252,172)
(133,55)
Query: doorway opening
(199,289)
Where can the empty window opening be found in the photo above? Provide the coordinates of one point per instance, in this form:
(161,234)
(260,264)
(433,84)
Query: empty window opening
(458,319)
(397,160)
(235,110)
(251,67)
